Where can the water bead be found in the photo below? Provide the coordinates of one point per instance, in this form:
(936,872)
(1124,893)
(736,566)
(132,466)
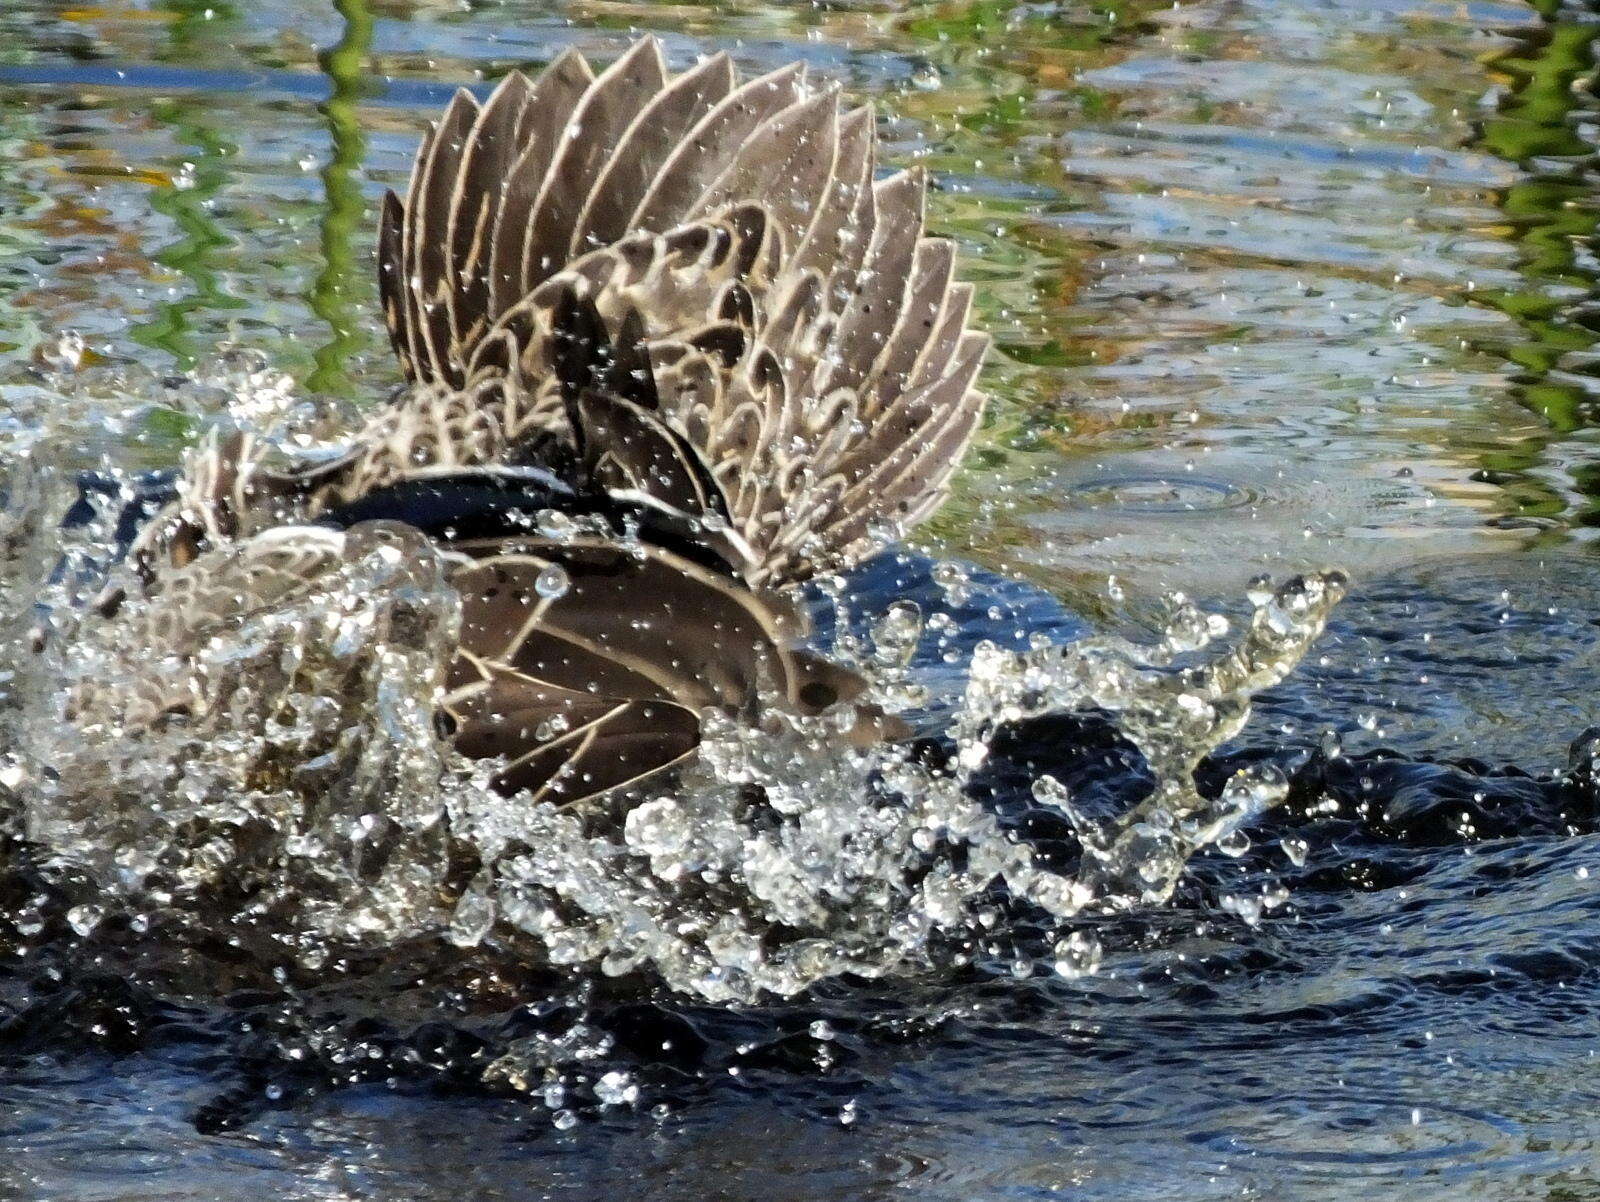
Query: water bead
(953,580)
(83,919)
(1051,792)
(1078,955)
(1235,843)
(616,1089)
(474,915)
(896,633)
(552,582)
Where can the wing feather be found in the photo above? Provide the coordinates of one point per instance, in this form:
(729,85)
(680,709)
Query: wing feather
(565,746)
(392,281)
(788,162)
(643,149)
(493,144)
(427,238)
(698,287)
(704,153)
(556,93)
(591,135)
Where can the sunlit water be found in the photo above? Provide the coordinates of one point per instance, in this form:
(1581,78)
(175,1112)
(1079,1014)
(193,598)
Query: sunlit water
(1277,286)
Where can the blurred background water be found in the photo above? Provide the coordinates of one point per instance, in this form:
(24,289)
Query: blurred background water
(1274,284)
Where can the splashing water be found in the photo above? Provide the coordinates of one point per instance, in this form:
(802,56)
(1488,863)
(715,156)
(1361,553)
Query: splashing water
(281,773)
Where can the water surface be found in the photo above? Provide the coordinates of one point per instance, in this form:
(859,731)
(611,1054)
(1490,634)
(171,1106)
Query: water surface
(1275,284)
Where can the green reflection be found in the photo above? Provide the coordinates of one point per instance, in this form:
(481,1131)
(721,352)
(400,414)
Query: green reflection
(194,20)
(1552,214)
(187,201)
(344,211)
(1085,27)
(1554,219)
(1010,82)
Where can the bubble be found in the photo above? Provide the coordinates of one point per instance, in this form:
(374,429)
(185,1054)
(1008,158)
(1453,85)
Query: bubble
(474,915)
(555,525)
(1048,790)
(1248,909)
(1078,955)
(84,919)
(1235,843)
(896,633)
(552,582)
(616,1089)
(953,579)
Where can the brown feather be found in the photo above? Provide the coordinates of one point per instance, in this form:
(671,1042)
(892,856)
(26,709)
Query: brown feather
(661,125)
(392,281)
(493,145)
(689,292)
(427,241)
(788,162)
(706,150)
(599,121)
(556,93)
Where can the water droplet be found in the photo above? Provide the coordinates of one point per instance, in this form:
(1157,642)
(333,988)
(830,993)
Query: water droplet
(616,1089)
(895,635)
(1235,843)
(552,582)
(84,919)
(474,914)
(1078,955)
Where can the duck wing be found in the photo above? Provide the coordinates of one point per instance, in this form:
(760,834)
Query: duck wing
(559,744)
(785,319)
(586,665)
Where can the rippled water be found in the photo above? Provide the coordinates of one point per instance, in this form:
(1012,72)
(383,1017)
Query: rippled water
(1276,284)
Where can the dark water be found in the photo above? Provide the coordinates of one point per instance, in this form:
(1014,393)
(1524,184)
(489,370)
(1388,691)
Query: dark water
(1275,284)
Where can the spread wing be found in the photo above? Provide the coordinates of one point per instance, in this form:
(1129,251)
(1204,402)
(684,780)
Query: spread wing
(781,315)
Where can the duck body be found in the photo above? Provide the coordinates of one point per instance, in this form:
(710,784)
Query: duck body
(671,350)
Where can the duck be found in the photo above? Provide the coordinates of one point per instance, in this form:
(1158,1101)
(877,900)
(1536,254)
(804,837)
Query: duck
(673,346)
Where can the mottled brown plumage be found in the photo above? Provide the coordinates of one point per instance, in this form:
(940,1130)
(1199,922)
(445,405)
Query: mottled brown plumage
(683,305)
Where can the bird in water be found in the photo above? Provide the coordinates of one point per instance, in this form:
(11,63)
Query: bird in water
(671,350)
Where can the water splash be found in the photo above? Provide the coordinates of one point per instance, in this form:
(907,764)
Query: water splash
(279,772)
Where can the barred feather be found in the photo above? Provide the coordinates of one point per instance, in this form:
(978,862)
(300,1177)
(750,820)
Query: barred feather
(600,685)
